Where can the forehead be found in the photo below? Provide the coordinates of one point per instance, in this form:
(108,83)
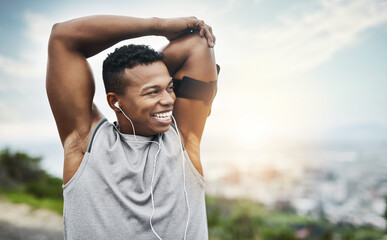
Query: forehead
(145,75)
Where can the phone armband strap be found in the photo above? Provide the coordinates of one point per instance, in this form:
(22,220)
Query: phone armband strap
(194,89)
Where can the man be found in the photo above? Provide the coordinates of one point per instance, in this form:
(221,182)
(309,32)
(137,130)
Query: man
(140,178)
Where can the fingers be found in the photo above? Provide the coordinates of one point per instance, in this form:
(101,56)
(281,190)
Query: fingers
(210,38)
(210,33)
(204,31)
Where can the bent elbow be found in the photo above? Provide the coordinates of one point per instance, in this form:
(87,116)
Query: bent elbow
(57,31)
(52,39)
(55,27)
(60,36)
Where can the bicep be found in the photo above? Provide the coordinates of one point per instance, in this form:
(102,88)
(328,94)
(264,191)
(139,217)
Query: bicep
(70,89)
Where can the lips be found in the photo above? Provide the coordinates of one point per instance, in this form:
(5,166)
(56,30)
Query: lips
(164,117)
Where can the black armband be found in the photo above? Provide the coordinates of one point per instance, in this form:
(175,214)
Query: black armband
(194,89)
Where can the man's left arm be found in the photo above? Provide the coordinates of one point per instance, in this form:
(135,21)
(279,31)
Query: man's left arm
(192,56)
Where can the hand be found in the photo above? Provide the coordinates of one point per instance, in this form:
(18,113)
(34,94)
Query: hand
(173,28)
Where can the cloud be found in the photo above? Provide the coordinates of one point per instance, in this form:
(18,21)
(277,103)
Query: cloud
(302,43)
(262,71)
(38,28)
(21,73)
(22,77)
(18,68)
(28,131)
(248,56)
(5,113)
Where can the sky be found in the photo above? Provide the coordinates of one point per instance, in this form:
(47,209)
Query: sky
(298,72)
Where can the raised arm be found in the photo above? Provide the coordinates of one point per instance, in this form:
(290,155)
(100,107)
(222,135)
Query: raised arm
(70,84)
(191,56)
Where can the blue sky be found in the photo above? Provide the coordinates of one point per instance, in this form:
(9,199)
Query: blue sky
(292,71)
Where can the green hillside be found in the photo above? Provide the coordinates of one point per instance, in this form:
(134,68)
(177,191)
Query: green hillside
(243,219)
(23,181)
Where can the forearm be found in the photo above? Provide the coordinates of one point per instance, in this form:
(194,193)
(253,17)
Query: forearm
(91,35)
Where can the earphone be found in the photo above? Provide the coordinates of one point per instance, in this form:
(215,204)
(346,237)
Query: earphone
(134,131)
(154,170)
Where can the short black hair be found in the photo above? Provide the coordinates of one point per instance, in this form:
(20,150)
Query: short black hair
(127,56)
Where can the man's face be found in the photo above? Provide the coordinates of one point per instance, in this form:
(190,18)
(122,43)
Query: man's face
(149,98)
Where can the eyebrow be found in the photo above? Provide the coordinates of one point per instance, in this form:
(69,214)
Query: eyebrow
(154,86)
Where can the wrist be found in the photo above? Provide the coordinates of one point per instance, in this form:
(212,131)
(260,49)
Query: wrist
(158,26)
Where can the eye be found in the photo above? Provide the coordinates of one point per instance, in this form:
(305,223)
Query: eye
(170,88)
(153,92)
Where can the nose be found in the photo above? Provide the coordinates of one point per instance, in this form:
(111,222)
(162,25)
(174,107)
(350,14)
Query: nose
(167,98)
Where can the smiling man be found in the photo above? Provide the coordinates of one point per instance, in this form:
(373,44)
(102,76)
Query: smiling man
(141,177)
(136,78)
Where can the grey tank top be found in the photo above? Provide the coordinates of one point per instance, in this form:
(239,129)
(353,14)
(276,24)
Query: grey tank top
(109,197)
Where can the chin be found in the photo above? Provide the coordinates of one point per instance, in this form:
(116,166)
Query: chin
(154,131)
(163,130)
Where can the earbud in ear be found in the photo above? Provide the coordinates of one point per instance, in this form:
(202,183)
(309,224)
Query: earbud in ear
(117,105)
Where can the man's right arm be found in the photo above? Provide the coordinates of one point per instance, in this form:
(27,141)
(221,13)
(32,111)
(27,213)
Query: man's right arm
(70,84)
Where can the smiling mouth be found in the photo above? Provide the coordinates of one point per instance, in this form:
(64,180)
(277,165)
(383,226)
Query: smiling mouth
(163,117)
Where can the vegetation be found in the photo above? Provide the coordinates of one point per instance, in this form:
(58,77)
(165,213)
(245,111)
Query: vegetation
(385,212)
(23,181)
(243,219)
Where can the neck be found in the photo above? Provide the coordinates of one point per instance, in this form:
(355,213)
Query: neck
(124,128)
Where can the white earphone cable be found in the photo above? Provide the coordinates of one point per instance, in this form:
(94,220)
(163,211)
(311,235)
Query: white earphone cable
(134,131)
(151,192)
(154,171)
(185,190)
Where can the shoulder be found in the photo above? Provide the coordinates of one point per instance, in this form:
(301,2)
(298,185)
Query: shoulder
(75,146)
(78,140)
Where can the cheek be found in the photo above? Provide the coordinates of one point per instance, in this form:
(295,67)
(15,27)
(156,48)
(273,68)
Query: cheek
(148,106)
(173,96)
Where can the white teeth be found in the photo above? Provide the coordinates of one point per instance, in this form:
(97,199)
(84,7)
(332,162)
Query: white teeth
(163,116)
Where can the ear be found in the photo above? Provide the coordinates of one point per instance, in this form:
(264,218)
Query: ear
(112,99)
